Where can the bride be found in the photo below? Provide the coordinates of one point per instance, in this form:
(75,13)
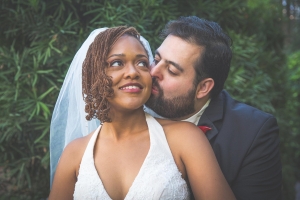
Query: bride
(131,155)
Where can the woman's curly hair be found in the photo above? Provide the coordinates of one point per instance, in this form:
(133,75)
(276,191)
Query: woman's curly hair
(96,85)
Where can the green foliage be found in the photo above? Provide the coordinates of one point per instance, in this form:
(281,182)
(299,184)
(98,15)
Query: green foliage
(247,73)
(289,121)
(38,40)
(294,66)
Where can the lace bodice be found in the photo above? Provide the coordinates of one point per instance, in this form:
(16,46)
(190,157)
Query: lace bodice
(158,178)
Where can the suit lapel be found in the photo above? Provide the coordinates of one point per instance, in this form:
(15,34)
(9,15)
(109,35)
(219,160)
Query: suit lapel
(212,113)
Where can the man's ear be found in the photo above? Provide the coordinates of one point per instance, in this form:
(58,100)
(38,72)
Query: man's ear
(204,87)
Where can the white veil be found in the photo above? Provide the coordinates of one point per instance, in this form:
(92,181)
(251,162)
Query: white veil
(68,119)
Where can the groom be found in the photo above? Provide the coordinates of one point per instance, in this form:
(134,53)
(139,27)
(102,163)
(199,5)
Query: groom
(189,71)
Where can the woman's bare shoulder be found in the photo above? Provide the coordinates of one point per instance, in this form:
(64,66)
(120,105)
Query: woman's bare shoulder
(179,127)
(76,148)
(182,134)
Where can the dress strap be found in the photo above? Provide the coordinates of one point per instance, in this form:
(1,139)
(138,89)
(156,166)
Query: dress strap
(88,154)
(158,135)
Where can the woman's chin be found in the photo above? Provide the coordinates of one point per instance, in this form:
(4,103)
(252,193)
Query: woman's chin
(130,107)
(128,104)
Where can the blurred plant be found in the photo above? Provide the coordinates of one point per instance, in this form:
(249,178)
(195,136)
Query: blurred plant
(34,58)
(38,40)
(290,133)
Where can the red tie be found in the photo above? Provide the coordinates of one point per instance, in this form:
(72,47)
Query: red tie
(204,128)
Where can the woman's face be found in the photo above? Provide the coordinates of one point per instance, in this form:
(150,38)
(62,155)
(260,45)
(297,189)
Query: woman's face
(128,67)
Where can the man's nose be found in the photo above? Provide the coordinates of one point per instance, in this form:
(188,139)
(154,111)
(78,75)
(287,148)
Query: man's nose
(156,71)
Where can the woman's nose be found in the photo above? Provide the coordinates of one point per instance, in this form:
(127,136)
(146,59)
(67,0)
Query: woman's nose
(131,72)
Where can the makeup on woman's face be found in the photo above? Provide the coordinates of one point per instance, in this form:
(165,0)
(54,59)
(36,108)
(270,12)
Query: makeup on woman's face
(128,67)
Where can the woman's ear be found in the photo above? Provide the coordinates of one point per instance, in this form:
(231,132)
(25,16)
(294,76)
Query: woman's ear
(204,87)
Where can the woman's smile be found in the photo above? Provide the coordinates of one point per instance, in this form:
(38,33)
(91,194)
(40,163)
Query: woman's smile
(131,87)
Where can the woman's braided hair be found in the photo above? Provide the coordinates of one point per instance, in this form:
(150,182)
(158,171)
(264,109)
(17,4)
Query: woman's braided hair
(96,85)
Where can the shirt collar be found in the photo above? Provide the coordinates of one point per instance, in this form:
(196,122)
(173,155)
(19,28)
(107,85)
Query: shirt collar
(196,117)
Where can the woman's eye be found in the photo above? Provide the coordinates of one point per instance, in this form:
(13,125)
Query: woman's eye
(116,64)
(143,64)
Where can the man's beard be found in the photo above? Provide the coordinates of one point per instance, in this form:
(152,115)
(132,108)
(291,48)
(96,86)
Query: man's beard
(174,108)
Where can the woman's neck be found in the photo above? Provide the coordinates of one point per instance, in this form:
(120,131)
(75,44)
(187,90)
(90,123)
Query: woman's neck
(125,124)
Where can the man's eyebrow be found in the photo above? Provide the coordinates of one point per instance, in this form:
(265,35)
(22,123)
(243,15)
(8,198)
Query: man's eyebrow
(176,65)
(157,52)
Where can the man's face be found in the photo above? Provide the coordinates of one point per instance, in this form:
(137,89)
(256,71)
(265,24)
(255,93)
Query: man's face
(173,91)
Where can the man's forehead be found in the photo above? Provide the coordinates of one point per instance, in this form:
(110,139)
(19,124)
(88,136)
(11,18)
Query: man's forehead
(178,50)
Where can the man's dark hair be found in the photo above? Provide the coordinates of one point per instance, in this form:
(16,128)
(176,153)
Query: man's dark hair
(214,62)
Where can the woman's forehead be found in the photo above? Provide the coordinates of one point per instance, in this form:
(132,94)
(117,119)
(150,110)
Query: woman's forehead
(128,43)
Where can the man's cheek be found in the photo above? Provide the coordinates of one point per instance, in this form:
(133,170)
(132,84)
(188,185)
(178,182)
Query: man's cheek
(170,91)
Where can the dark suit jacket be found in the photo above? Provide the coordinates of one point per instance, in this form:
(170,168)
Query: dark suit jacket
(246,143)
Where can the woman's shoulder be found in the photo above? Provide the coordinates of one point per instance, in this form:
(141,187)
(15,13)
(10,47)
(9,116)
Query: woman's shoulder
(75,149)
(183,139)
(179,127)
(180,134)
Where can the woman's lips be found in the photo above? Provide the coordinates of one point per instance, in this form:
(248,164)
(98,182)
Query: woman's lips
(131,87)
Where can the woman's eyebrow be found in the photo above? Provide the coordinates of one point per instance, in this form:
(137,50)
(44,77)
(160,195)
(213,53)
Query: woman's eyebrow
(141,55)
(117,55)
(123,55)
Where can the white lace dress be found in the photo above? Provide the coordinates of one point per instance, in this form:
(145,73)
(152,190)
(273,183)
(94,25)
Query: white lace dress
(158,178)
